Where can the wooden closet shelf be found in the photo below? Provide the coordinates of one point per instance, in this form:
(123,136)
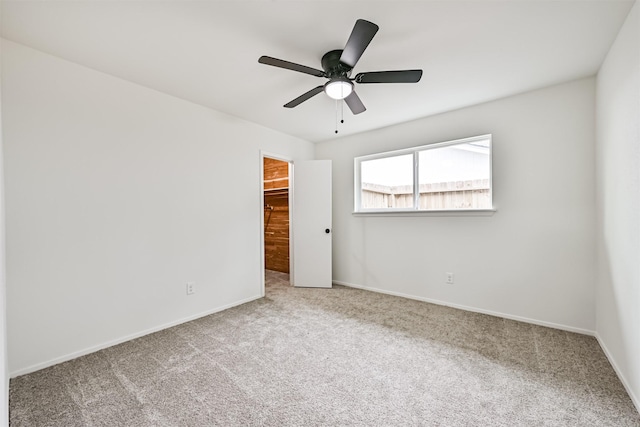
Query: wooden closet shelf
(276,191)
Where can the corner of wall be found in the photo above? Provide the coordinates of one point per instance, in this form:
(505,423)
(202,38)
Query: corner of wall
(4,368)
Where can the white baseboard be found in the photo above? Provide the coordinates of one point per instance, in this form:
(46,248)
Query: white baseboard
(621,376)
(4,405)
(472,309)
(93,349)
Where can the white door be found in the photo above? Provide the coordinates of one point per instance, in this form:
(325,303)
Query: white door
(312,224)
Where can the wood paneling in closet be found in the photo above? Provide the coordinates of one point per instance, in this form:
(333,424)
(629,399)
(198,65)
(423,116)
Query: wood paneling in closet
(276,215)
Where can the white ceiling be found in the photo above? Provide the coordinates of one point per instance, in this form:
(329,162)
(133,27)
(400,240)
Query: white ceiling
(207,51)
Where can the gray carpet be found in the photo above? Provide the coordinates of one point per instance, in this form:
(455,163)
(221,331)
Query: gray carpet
(339,357)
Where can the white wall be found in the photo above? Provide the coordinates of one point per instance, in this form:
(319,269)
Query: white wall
(533,259)
(618,204)
(4,365)
(116,196)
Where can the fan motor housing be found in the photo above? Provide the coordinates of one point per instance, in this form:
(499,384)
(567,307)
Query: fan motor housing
(332,66)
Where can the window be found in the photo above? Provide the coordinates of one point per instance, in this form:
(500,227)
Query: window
(453,175)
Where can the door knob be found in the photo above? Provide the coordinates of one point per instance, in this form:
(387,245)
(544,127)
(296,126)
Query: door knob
(327,231)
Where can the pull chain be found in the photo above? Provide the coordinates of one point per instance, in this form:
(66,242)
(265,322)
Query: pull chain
(339,101)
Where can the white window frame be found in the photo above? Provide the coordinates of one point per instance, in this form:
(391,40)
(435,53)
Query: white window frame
(416,187)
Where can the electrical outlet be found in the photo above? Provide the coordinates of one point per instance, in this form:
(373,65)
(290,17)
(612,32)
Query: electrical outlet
(191,288)
(449,279)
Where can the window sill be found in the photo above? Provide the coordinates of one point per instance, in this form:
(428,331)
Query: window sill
(441,212)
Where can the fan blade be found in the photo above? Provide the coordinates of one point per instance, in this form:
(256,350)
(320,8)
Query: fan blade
(299,100)
(355,104)
(361,35)
(405,76)
(290,66)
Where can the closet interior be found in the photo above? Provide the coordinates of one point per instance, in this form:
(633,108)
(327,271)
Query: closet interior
(276,215)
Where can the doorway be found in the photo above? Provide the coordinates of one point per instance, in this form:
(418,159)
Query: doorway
(302,242)
(276,224)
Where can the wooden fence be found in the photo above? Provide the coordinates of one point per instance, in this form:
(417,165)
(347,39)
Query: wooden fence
(474,194)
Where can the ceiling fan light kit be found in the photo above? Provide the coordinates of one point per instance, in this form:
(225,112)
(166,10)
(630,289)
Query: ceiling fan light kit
(337,66)
(338,88)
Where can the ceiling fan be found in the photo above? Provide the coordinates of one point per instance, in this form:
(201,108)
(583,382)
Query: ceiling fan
(337,66)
